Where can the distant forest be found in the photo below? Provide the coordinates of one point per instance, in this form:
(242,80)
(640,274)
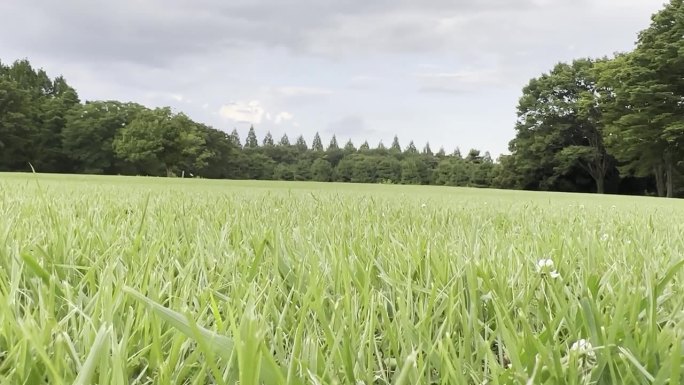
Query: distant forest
(605,125)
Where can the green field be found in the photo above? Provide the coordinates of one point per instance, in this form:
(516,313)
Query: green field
(118,280)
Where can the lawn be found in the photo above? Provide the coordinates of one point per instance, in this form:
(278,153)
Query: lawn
(121,280)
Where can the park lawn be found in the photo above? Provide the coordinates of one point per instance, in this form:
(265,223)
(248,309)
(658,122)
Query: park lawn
(132,280)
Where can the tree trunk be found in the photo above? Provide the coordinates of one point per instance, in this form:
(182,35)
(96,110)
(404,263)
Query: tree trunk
(600,185)
(669,179)
(660,183)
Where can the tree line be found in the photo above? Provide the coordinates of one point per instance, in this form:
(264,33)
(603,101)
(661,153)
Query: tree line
(44,125)
(608,124)
(605,125)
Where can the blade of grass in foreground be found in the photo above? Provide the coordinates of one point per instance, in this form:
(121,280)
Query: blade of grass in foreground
(99,346)
(221,345)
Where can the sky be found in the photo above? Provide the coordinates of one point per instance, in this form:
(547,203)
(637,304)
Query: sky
(447,72)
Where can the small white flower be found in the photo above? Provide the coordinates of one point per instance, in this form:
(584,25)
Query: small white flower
(604,237)
(583,352)
(546,267)
(582,347)
(423,205)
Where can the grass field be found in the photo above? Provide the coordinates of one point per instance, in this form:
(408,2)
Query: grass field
(117,280)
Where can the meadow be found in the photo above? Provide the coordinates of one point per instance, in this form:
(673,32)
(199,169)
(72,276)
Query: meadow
(120,280)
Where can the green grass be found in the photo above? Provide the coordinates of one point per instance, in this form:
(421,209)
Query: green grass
(117,280)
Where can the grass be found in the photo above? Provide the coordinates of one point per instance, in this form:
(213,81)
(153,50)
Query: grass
(117,280)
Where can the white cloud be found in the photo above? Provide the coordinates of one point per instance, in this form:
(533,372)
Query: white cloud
(282,117)
(242,112)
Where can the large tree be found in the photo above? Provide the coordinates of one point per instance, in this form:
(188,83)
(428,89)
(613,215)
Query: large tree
(158,141)
(560,128)
(89,133)
(646,95)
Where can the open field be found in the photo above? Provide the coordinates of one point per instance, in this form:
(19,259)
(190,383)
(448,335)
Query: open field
(117,280)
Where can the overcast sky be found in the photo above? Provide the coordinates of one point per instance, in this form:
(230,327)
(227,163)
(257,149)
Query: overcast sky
(445,71)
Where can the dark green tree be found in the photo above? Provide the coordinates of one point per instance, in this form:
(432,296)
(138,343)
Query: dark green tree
(251,141)
(321,170)
(268,140)
(317,145)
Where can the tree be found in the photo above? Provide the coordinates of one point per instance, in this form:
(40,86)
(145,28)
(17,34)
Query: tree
(349,147)
(156,140)
(646,88)
(411,149)
(268,140)
(283,172)
(427,150)
(224,160)
(235,138)
(410,174)
(442,174)
(88,136)
(303,169)
(559,132)
(364,147)
(389,169)
(251,141)
(34,109)
(395,148)
(284,141)
(16,130)
(321,170)
(333,144)
(381,146)
(301,145)
(317,144)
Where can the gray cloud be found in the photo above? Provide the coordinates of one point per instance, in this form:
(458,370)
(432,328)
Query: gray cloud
(417,68)
(157,32)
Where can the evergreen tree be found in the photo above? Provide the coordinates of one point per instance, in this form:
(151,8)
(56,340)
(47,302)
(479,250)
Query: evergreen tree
(268,140)
(317,145)
(235,138)
(349,147)
(395,147)
(251,141)
(284,141)
(411,149)
(301,145)
(333,144)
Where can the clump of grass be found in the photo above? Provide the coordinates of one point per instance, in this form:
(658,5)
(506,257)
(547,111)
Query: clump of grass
(142,281)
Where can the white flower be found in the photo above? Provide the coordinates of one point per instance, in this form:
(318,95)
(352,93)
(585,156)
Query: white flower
(546,267)
(604,237)
(582,347)
(583,352)
(423,205)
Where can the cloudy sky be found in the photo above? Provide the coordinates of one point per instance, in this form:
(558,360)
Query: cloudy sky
(445,71)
